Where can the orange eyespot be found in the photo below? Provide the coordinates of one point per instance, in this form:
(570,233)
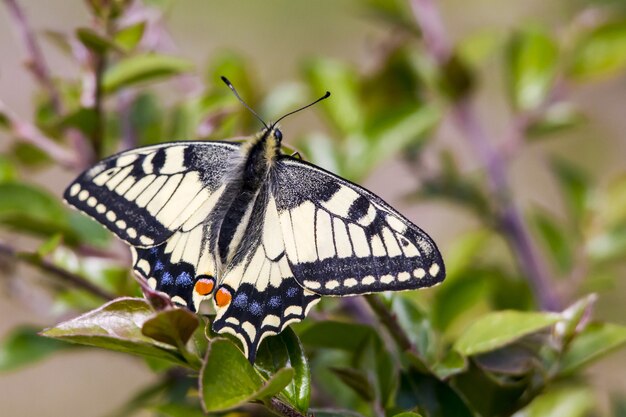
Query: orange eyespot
(223,297)
(204,286)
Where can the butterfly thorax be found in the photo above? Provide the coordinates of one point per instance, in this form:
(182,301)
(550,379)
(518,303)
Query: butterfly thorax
(258,158)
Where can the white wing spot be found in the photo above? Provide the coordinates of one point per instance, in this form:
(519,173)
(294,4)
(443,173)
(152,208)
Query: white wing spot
(132,233)
(111,216)
(419,273)
(403,276)
(295,310)
(74,189)
(368,280)
(434,270)
(179,300)
(249,328)
(146,240)
(312,284)
(91,201)
(271,320)
(101,208)
(121,224)
(152,283)
(82,196)
(350,282)
(144,266)
(331,285)
(387,279)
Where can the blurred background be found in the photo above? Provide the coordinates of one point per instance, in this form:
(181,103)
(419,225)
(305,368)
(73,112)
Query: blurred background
(284,53)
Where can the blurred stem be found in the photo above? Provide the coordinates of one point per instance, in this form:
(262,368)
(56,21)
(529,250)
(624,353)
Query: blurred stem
(61,274)
(36,62)
(29,133)
(97,138)
(389,320)
(282,409)
(509,218)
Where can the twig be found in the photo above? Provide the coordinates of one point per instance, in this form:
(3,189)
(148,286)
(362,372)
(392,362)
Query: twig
(63,275)
(388,319)
(510,219)
(282,409)
(36,62)
(29,133)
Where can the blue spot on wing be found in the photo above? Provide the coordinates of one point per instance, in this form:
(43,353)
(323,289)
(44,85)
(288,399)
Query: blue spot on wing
(184,279)
(241,300)
(274,302)
(167,278)
(256,308)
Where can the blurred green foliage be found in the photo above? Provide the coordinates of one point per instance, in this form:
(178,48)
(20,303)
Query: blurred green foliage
(479,345)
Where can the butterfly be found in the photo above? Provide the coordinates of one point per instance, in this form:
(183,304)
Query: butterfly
(261,234)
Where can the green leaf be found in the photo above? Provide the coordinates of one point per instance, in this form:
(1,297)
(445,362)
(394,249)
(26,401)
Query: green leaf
(555,239)
(556,118)
(407,414)
(23,346)
(430,395)
(568,401)
(357,380)
(344,109)
(285,350)
(574,185)
(498,329)
(95,41)
(337,335)
(451,364)
(30,155)
(141,69)
(130,36)
(597,340)
(116,326)
(600,52)
(532,59)
(29,209)
(8,171)
(173,326)
(228,380)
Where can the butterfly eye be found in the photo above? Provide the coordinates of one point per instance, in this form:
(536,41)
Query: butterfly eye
(278,134)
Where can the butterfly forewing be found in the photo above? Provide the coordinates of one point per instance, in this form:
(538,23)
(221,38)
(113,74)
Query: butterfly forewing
(145,195)
(343,240)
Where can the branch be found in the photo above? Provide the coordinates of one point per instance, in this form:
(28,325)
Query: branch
(36,62)
(61,274)
(31,134)
(388,319)
(282,409)
(510,219)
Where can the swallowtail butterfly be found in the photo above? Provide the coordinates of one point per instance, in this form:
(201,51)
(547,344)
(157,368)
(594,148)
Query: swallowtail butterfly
(261,234)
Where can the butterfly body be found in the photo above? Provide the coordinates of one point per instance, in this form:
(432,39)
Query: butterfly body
(259,233)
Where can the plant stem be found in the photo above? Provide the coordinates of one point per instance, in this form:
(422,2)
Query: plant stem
(36,62)
(509,218)
(29,133)
(388,319)
(282,409)
(63,275)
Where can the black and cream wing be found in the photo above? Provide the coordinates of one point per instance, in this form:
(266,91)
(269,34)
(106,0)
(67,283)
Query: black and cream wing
(341,239)
(258,295)
(158,200)
(146,194)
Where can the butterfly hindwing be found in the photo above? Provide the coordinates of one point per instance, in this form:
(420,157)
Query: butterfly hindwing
(262,295)
(340,239)
(146,194)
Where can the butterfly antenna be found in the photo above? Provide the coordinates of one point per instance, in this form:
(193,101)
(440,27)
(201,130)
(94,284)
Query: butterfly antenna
(325,96)
(230,85)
